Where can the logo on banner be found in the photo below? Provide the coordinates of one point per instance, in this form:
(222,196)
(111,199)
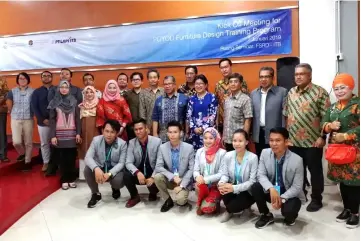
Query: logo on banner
(31,42)
(64,41)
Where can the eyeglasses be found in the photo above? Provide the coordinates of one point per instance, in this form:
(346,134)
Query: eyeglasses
(265,76)
(136,80)
(46,76)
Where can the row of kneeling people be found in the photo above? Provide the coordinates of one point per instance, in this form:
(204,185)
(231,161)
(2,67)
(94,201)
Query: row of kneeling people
(236,177)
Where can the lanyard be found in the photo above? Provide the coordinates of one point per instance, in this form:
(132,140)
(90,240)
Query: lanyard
(238,167)
(145,159)
(107,159)
(208,169)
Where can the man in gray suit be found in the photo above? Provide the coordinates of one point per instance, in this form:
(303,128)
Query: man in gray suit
(141,159)
(268,102)
(174,168)
(105,160)
(280,180)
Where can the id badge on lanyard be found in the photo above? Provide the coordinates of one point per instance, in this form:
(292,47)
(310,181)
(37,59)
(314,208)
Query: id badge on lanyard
(277,187)
(107,159)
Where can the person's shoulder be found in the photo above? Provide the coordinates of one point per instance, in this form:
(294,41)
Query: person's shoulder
(154,139)
(230,154)
(252,156)
(221,151)
(294,157)
(266,153)
(187,146)
(121,142)
(97,139)
(280,89)
(253,92)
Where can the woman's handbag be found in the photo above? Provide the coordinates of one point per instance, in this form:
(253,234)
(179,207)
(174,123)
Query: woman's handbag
(340,154)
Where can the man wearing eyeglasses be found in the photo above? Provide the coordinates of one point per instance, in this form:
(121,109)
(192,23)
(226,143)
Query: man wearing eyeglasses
(39,103)
(268,102)
(132,97)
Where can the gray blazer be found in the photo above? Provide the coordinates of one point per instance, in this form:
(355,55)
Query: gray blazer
(292,173)
(249,171)
(134,153)
(186,163)
(275,102)
(200,163)
(95,156)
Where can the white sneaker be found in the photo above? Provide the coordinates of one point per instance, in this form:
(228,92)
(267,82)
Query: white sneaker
(65,186)
(226,217)
(72,185)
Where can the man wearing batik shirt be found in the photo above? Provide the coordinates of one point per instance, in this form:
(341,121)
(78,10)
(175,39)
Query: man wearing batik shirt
(148,96)
(237,110)
(306,104)
(188,87)
(222,89)
(171,106)
(122,81)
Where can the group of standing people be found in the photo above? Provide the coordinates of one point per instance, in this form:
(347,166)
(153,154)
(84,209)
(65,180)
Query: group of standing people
(293,124)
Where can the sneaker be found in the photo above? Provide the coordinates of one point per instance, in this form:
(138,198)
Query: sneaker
(289,222)
(45,167)
(72,185)
(344,216)
(21,158)
(353,221)
(132,202)
(26,167)
(314,206)
(264,220)
(115,193)
(95,200)
(65,186)
(226,217)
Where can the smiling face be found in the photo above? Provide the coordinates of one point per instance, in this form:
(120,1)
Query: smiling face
(169,86)
(88,80)
(65,75)
(23,82)
(265,79)
(277,143)
(137,81)
(140,130)
(89,95)
(342,92)
(239,142)
(122,81)
(112,89)
(302,77)
(208,140)
(200,86)
(234,85)
(64,89)
(46,78)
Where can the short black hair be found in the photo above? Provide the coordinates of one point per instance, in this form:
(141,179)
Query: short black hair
(113,123)
(267,68)
(201,77)
(153,71)
(71,73)
(225,59)
(243,132)
(46,71)
(236,76)
(280,130)
(191,67)
(175,124)
(88,74)
(139,120)
(27,77)
(124,75)
(136,73)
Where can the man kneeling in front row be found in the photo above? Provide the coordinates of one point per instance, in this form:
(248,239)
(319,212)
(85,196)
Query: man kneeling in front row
(105,162)
(141,159)
(280,180)
(174,168)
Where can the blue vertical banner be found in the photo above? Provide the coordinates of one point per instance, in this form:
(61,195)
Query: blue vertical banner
(236,35)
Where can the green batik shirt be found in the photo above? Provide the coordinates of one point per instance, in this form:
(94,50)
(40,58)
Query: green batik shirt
(304,111)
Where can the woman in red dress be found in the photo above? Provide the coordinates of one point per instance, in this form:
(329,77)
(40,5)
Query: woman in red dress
(113,106)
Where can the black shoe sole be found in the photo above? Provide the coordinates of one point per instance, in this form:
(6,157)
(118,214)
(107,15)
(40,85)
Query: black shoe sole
(270,222)
(352,226)
(341,220)
(96,205)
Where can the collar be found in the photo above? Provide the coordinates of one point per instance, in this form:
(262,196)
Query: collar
(271,89)
(26,88)
(114,144)
(237,95)
(175,94)
(308,87)
(133,90)
(177,148)
(145,144)
(51,86)
(150,89)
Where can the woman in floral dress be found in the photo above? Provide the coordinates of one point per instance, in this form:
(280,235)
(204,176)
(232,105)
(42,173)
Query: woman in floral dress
(201,111)
(342,120)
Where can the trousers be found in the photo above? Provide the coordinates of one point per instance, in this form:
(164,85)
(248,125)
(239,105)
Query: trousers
(116,182)
(163,185)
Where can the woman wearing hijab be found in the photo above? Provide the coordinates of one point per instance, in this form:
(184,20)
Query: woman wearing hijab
(207,172)
(113,106)
(88,118)
(65,130)
(239,174)
(342,121)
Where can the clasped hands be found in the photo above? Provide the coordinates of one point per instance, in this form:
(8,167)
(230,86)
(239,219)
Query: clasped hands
(100,176)
(142,180)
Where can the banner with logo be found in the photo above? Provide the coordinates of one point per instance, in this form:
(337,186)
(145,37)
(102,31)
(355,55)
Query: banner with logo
(237,35)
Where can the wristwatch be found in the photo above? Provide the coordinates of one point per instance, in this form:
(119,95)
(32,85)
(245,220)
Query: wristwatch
(283,200)
(110,174)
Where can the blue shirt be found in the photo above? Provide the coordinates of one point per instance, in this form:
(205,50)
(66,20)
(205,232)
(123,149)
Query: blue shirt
(39,104)
(279,166)
(21,109)
(175,159)
(171,108)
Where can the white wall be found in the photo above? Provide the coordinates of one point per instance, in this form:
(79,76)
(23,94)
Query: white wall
(318,39)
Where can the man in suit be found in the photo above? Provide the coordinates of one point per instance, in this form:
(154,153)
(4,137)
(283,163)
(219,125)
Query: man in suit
(105,161)
(280,180)
(268,102)
(141,159)
(174,168)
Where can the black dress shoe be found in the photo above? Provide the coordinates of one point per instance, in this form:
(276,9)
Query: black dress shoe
(167,205)
(115,193)
(353,221)
(344,216)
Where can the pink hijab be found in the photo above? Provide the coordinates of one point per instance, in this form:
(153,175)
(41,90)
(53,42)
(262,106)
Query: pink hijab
(212,151)
(89,104)
(108,96)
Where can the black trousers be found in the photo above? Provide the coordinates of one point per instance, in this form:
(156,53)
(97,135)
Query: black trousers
(312,159)
(130,182)
(236,203)
(229,147)
(350,197)
(66,158)
(261,142)
(3,137)
(289,209)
